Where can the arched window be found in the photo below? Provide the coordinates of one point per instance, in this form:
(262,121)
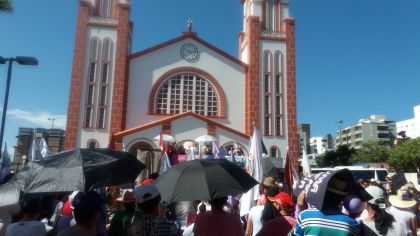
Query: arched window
(92,143)
(279,94)
(105,8)
(187,92)
(95,45)
(274,152)
(104,83)
(267,62)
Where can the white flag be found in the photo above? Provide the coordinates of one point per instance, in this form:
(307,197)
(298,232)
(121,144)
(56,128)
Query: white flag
(43,147)
(305,164)
(254,168)
(5,163)
(215,150)
(165,164)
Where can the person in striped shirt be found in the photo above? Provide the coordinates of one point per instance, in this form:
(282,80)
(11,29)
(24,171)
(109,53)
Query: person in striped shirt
(329,221)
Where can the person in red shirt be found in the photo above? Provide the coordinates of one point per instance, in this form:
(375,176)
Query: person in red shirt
(283,224)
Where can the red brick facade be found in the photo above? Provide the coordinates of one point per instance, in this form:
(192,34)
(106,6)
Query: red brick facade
(73,112)
(120,84)
(292,134)
(252,85)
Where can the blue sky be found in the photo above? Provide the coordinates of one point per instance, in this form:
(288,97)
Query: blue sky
(354,58)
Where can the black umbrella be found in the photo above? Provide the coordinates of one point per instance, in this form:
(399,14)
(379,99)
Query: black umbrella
(202,180)
(78,170)
(9,196)
(315,186)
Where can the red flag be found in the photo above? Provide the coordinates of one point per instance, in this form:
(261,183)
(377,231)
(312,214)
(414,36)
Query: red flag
(161,145)
(288,174)
(111,144)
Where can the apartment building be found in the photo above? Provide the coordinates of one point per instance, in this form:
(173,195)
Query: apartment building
(376,128)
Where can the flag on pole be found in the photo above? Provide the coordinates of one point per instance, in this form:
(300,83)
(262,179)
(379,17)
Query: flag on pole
(305,164)
(288,174)
(161,144)
(5,163)
(254,168)
(215,150)
(165,164)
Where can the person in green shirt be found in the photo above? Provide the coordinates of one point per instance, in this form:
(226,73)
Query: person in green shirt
(122,219)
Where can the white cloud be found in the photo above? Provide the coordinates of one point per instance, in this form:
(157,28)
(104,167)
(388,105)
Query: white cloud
(39,118)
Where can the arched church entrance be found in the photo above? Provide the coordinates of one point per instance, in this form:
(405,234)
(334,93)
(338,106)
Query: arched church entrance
(146,152)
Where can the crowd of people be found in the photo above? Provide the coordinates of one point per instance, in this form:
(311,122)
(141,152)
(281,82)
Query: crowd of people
(140,211)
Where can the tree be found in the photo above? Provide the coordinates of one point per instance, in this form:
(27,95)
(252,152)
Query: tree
(371,151)
(406,156)
(5,5)
(339,157)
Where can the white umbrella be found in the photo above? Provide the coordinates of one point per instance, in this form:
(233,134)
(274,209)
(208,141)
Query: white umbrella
(166,138)
(205,138)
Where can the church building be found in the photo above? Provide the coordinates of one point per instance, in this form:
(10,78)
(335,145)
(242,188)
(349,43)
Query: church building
(184,87)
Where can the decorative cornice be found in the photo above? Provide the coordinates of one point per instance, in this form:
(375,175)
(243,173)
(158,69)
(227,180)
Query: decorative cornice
(102,20)
(276,34)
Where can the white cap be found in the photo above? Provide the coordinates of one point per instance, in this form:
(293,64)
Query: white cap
(376,193)
(146,192)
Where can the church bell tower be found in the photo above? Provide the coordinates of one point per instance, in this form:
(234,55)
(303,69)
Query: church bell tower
(267,45)
(97,106)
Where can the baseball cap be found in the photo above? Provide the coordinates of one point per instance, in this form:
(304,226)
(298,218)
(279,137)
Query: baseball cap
(87,200)
(376,193)
(283,199)
(146,192)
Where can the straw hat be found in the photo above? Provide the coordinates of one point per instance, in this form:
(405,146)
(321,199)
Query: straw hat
(128,196)
(270,182)
(403,199)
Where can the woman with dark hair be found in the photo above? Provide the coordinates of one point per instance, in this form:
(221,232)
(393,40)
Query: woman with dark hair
(379,221)
(269,212)
(255,216)
(284,223)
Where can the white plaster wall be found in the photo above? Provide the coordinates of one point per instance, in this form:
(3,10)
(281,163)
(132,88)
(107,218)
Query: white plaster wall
(188,128)
(256,8)
(145,70)
(149,134)
(102,136)
(281,143)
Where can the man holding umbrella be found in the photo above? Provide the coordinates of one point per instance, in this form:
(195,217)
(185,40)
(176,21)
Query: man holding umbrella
(326,191)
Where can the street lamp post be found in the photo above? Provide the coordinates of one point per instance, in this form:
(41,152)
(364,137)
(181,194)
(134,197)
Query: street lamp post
(339,131)
(30,61)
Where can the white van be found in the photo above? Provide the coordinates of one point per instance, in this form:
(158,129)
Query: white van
(359,172)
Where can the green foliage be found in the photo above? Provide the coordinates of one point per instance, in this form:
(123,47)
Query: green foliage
(371,151)
(406,156)
(6,5)
(339,157)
